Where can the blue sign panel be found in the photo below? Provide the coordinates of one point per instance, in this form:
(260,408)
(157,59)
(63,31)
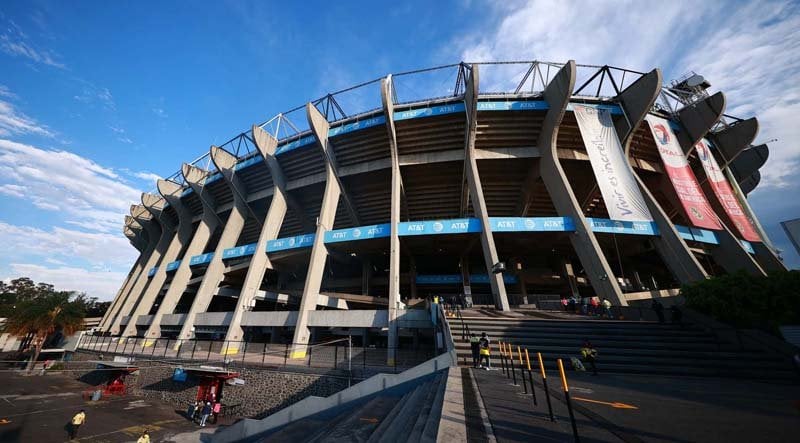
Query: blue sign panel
(531,224)
(303,141)
(684,232)
(449,279)
(436,227)
(615,109)
(212,178)
(186,192)
(704,236)
(429,112)
(359,233)
(239,251)
(152,272)
(748,247)
(299,241)
(623,227)
(249,162)
(355,126)
(201,259)
(536,105)
(173,265)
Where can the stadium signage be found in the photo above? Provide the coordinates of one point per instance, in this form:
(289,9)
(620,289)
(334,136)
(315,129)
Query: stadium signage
(173,265)
(429,112)
(436,227)
(694,202)
(359,233)
(698,235)
(531,224)
(298,241)
(748,247)
(355,126)
(201,259)
(622,227)
(152,271)
(724,193)
(239,251)
(615,179)
(536,105)
(438,279)
(303,141)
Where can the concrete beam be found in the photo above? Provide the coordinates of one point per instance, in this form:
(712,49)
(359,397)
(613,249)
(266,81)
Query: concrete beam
(208,224)
(636,101)
(394,220)
(698,118)
(319,252)
(734,139)
(226,164)
(476,192)
(215,271)
(557,94)
(329,154)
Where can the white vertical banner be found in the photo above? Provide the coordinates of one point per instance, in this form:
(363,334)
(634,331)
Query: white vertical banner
(615,179)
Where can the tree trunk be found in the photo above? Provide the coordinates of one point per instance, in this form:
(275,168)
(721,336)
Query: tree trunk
(37,349)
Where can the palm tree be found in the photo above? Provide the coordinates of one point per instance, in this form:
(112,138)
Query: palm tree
(43,315)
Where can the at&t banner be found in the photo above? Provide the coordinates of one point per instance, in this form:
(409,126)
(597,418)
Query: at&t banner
(724,192)
(680,174)
(617,184)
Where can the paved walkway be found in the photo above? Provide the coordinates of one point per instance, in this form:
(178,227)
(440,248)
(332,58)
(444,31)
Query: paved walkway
(636,408)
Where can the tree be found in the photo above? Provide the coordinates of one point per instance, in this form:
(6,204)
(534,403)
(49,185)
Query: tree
(43,314)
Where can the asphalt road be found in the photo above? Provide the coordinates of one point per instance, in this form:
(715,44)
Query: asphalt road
(37,409)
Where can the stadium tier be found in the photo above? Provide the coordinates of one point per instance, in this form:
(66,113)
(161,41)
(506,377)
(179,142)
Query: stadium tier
(570,181)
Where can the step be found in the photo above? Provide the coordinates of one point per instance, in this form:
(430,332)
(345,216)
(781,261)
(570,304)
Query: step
(602,343)
(378,434)
(429,433)
(478,328)
(627,336)
(419,424)
(402,422)
(359,424)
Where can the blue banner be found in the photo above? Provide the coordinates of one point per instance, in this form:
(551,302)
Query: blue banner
(531,224)
(302,141)
(696,234)
(536,105)
(748,247)
(201,259)
(212,178)
(436,227)
(684,232)
(614,109)
(359,233)
(429,112)
(355,126)
(173,265)
(298,241)
(239,251)
(152,271)
(449,279)
(186,192)
(256,158)
(623,227)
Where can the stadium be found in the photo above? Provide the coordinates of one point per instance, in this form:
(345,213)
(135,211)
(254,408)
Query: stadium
(502,184)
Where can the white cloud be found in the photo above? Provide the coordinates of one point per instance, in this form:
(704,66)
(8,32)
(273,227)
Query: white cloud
(5,92)
(92,195)
(160,112)
(101,284)
(17,43)
(125,140)
(12,121)
(147,176)
(93,94)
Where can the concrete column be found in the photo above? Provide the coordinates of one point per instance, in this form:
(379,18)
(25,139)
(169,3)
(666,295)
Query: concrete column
(183,234)
(476,193)
(697,120)
(366,276)
(259,262)
(208,223)
(557,94)
(319,253)
(394,221)
(230,234)
(145,217)
(145,249)
(569,274)
(636,101)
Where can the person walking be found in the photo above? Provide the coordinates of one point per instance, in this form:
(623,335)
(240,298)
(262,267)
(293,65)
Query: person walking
(215,411)
(475,347)
(589,355)
(205,413)
(594,306)
(191,411)
(483,344)
(144,438)
(659,310)
(76,422)
(607,308)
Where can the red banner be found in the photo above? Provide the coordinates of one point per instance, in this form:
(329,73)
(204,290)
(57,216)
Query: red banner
(680,174)
(724,192)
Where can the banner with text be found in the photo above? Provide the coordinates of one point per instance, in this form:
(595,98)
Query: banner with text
(615,179)
(680,174)
(724,192)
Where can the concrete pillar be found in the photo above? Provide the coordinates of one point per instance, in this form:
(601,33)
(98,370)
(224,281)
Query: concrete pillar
(366,276)
(476,193)
(394,221)
(697,120)
(636,101)
(557,94)
(183,234)
(733,139)
(164,230)
(208,223)
(195,177)
(259,262)
(319,253)
(412,273)
(569,274)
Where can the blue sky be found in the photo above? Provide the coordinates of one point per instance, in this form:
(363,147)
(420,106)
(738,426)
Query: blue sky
(99,98)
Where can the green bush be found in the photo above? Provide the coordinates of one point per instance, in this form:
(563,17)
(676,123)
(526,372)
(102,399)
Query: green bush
(747,301)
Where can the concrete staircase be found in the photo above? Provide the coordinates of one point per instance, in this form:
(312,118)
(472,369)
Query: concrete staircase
(406,413)
(639,347)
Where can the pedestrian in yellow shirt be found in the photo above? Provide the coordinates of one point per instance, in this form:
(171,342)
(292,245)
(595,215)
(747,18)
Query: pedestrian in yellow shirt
(76,423)
(145,438)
